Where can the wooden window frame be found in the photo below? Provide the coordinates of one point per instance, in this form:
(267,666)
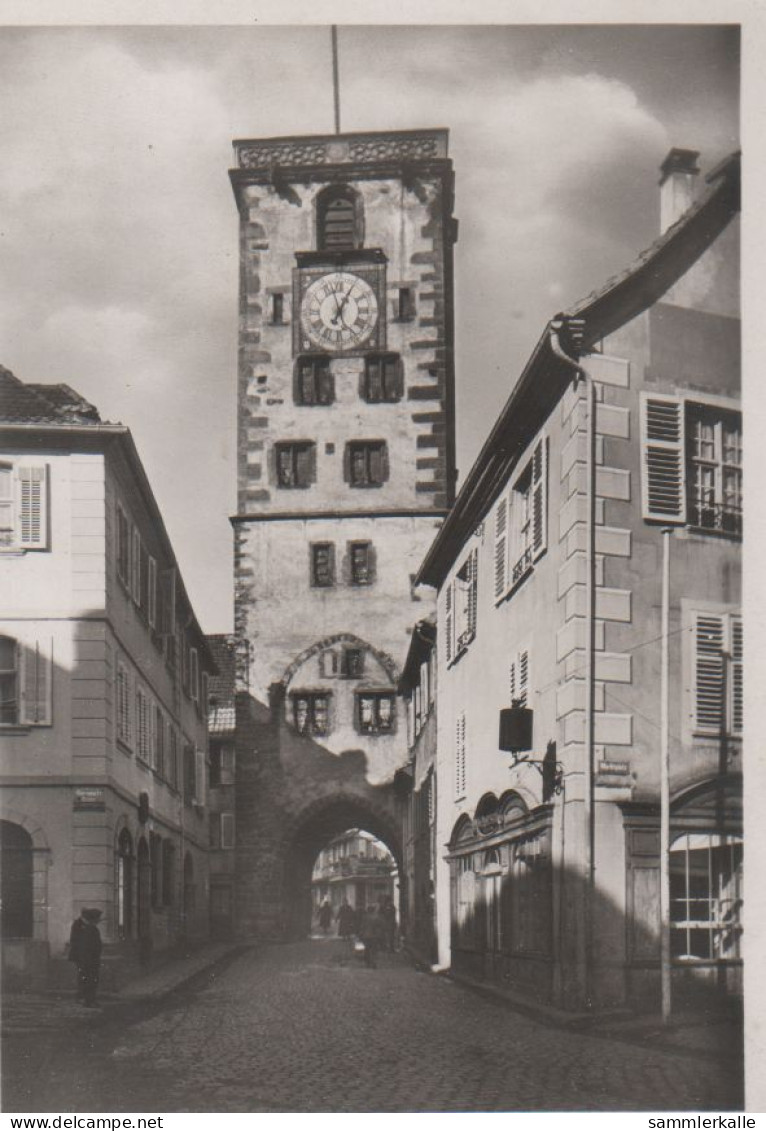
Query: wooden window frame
(322,577)
(382,379)
(301,474)
(367,450)
(313,381)
(312,727)
(377,725)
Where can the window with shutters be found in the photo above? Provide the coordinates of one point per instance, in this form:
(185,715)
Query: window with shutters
(143,727)
(375,712)
(717,673)
(361,563)
(23,507)
(159,742)
(691,464)
(339,219)
(190,774)
(194,675)
(123,705)
(295,464)
(314,383)
(25,682)
(172,774)
(322,565)
(382,378)
(311,711)
(521,523)
(352,663)
(460,757)
(367,463)
(464,601)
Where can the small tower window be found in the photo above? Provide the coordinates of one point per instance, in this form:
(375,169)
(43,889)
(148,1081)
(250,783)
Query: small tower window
(277,309)
(313,381)
(338,219)
(295,464)
(405,305)
(367,463)
(382,379)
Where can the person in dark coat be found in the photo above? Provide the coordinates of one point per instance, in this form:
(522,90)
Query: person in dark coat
(388,914)
(372,935)
(325,916)
(85,952)
(345,920)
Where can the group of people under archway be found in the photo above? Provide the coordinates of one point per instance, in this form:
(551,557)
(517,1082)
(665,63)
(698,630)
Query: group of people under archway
(372,928)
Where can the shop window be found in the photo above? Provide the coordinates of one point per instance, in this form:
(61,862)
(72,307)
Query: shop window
(382,381)
(155,860)
(295,464)
(311,713)
(313,381)
(366,463)
(705,897)
(322,565)
(376,712)
(691,464)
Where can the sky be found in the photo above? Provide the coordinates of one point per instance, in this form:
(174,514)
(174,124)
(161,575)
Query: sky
(118,229)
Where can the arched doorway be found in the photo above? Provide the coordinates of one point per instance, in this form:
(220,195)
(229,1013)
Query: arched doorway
(316,827)
(16,882)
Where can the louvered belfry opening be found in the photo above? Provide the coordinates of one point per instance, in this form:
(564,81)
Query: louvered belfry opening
(337,220)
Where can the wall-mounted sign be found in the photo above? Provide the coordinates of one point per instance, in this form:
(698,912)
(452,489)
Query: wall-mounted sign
(89,798)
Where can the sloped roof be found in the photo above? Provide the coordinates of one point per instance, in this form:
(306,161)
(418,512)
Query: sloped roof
(620,299)
(25,403)
(221,718)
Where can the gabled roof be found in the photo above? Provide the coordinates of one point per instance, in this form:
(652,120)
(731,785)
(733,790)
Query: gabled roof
(544,377)
(24,403)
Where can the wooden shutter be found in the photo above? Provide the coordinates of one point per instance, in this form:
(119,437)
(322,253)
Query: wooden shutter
(540,499)
(135,567)
(33,508)
(151,611)
(501,548)
(473,582)
(448,623)
(523,679)
(200,778)
(460,767)
(709,672)
(662,459)
(35,682)
(737,688)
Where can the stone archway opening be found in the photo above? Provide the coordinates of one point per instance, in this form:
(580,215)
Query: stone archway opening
(317,828)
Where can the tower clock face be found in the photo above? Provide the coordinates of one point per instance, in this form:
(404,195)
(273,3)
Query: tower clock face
(339,311)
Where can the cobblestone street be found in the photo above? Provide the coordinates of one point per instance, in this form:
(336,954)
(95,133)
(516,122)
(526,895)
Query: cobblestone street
(304,1027)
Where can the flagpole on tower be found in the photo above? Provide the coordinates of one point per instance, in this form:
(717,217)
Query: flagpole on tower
(335,79)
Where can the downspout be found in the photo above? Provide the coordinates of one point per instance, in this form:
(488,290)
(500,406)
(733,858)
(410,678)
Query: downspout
(575,328)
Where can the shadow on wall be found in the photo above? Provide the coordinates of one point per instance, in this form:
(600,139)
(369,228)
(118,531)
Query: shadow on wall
(524,929)
(293,795)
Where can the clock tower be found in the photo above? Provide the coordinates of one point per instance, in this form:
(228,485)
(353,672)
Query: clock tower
(345,471)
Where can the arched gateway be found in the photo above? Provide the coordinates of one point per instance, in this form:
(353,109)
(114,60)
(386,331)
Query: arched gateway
(345,469)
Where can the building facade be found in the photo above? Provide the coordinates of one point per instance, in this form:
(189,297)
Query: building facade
(417,794)
(346,467)
(102,695)
(625,423)
(354,868)
(221,798)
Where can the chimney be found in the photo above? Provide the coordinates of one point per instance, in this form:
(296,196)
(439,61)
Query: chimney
(677,185)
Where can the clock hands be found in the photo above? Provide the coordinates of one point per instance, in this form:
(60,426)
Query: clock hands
(339,308)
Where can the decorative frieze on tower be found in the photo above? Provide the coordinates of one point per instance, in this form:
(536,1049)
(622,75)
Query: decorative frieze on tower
(345,457)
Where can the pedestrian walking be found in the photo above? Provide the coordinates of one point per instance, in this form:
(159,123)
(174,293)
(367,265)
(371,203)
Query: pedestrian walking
(388,914)
(85,952)
(345,920)
(325,916)
(372,934)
